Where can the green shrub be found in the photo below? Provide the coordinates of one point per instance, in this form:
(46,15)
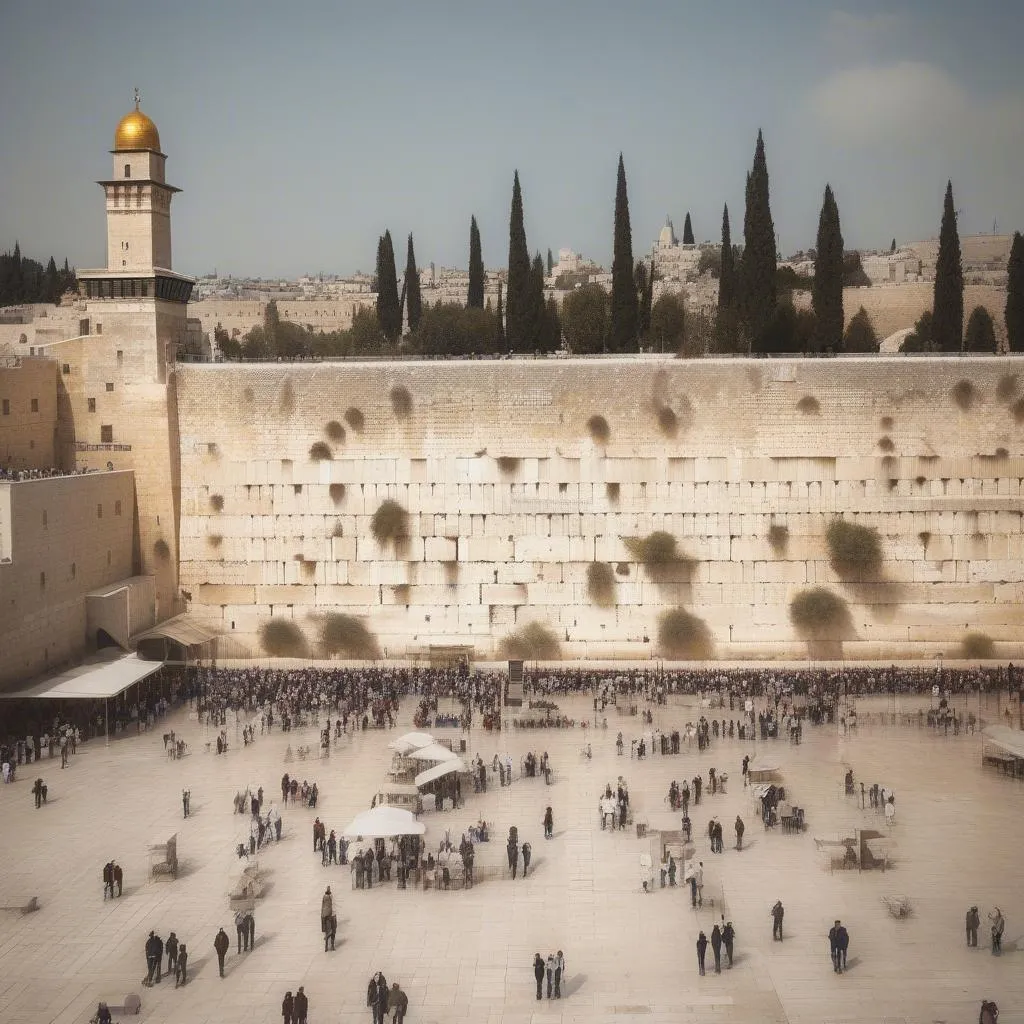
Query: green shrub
(161,550)
(658,548)
(319,452)
(855,551)
(354,418)
(601,584)
(390,523)
(963,395)
(217,502)
(1002,453)
(818,614)
(778,538)
(977,647)
(282,638)
(920,480)
(401,402)
(534,642)
(684,637)
(337,493)
(809,405)
(599,429)
(507,464)
(335,432)
(348,637)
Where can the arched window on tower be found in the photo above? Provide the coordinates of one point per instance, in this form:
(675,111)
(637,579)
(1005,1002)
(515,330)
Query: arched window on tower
(127,170)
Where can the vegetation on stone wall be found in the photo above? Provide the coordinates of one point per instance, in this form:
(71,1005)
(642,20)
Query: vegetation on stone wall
(248,394)
(963,395)
(924,536)
(507,464)
(354,418)
(1018,411)
(1008,387)
(659,554)
(601,584)
(319,451)
(282,638)
(401,592)
(817,614)
(622,568)
(308,567)
(684,637)
(977,647)
(286,403)
(161,550)
(401,401)
(612,491)
(886,422)
(855,551)
(217,502)
(778,538)
(390,523)
(337,530)
(809,405)
(668,421)
(347,637)
(599,430)
(214,540)
(533,642)
(335,432)
(886,445)
(451,572)
(337,493)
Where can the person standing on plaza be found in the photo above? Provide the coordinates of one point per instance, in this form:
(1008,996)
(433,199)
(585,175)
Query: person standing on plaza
(702,948)
(326,909)
(538,972)
(118,878)
(740,828)
(242,931)
(699,876)
(716,948)
(151,955)
(186,796)
(398,1003)
(998,927)
(108,879)
(559,973)
(843,942)
(512,849)
(287,1007)
(550,970)
(331,932)
(973,922)
(728,937)
(777,912)
(300,1007)
(221,944)
(833,947)
(181,967)
(250,930)
(377,997)
(527,854)
(171,948)
(549,823)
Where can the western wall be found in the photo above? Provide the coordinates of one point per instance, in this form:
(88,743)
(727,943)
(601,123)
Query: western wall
(518,475)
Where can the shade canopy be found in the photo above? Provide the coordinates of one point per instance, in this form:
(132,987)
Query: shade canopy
(95,681)
(1010,741)
(433,752)
(382,823)
(439,771)
(411,741)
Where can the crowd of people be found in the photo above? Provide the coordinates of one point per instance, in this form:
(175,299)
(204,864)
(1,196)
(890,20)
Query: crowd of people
(19,475)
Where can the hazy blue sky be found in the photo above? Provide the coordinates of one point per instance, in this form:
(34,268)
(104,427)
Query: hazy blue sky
(300,131)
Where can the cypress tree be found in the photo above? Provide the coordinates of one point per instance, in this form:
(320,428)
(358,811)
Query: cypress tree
(625,312)
(52,288)
(640,273)
(551,263)
(948,307)
(517,290)
(981,333)
(413,300)
(760,263)
(827,289)
(537,331)
(17,278)
(1015,295)
(688,230)
(727,272)
(476,268)
(501,344)
(389,306)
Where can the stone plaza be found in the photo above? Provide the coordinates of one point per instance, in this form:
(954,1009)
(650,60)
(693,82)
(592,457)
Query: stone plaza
(466,955)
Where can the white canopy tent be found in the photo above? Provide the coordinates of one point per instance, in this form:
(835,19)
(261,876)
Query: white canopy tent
(433,752)
(411,741)
(383,823)
(439,771)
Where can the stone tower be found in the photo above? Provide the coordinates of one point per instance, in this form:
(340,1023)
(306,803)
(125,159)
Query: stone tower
(117,406)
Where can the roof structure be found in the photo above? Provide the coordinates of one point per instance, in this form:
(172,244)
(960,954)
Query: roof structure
(93,681)
(182,629)
(1002,736)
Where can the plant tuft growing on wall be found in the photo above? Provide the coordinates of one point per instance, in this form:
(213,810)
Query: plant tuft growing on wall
(855,551)
(818,614)
(390,523)
(963,395)
(217,502)
(533,642)
(809,405)
(337,493)
(977,647)
(319,452)
(347,637)
(684,637)
(601,584)
(354,418)
(282,638)
(778,538)
(599,430)
(401,402)
(335,432)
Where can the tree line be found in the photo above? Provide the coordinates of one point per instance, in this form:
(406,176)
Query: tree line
(24,280)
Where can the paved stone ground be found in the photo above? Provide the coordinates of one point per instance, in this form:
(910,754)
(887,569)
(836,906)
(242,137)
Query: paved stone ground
(466,956)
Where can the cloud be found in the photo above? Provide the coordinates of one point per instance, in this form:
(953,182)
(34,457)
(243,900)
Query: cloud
(912,103)
(855,35)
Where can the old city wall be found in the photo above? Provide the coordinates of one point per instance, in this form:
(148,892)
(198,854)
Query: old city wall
(512,496)
(28,413)
(65,536)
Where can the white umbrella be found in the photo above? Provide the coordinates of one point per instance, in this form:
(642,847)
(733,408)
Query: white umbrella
(439,771)
(433,752)
(382,823)
(411,741)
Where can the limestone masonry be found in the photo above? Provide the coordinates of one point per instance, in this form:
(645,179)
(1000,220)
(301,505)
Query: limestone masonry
(510,499)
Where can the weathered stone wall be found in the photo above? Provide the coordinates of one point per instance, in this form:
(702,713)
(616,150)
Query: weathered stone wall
(28,413)
(510,498)
(67,536)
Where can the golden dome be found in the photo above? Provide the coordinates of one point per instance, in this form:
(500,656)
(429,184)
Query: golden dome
(136,131)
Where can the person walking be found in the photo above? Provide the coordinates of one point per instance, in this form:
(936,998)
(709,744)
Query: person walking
(108,879)
(716,947)
(250,929)
(513,854)
(973,921)
(151,948)
(699,876)
(998,927)
(833,947)
(740,828)
(777,912)
(538,972)
(287,1007)
(331,932)
(300,1008)
(728,937)
(549,823)
(377,997)
(550,967)
(181,967)
(702,948)
(171,948)
(242,931)
(186,796)
(398,1003)
(118,878)
(527,854)
(559,973)
(326,909)
(843,942)
(693,889)
(221,945)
